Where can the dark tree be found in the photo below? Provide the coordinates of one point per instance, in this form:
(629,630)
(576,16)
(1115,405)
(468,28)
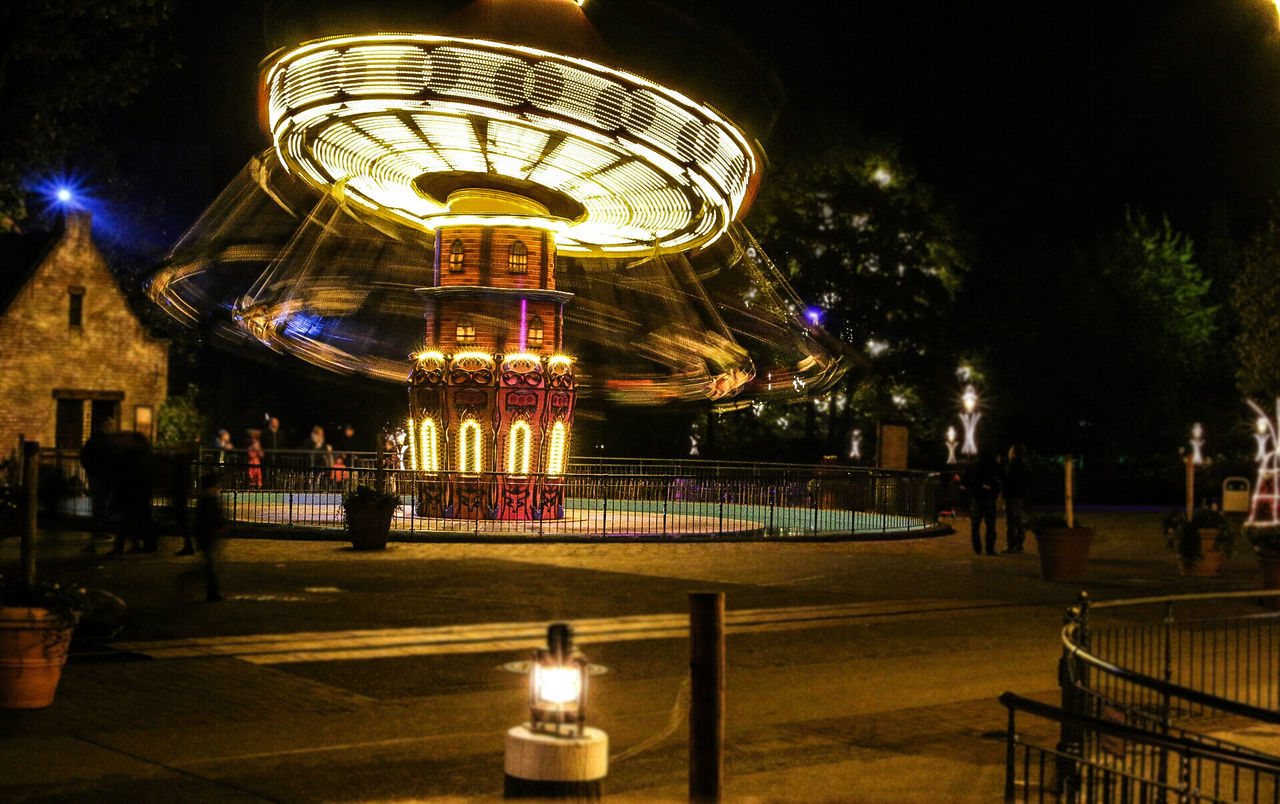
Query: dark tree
(64,66)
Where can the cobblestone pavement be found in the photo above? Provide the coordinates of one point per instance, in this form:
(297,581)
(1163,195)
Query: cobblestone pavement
(893,700)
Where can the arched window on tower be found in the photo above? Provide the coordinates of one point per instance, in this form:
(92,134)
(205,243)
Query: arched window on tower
(470,448)
(466,332)
(518,442)
(518,258)
(457,252)
(533,335)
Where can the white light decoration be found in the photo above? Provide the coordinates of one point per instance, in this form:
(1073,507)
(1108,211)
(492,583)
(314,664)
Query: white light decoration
(1261,436)
(1197,444)
(1266,491)
(951,445)
(470,448)
(970,419)
(518,443)
(855,444)
(646,165)
(556,449)
(430,446)
(413,448)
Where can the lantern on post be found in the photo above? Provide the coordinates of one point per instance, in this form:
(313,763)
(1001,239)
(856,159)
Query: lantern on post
(558,684)
(555,754)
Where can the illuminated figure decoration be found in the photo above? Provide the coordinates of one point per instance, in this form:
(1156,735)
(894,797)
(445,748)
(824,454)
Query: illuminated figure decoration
(951,445)
(855,444)
(1197,444)
(1261,437)
(530,213)
(970,419)
(1264,508)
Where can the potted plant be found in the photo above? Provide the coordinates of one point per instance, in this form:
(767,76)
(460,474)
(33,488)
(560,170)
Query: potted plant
(1063,546)
(1201,542)
(1266,545)
(35,630)
(368,513)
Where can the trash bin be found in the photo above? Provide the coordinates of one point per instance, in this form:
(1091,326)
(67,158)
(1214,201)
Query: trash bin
(1235,495)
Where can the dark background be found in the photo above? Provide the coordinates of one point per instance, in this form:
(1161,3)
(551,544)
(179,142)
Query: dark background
(1035,125)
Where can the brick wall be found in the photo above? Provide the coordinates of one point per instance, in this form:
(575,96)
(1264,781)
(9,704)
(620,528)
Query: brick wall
(41,353)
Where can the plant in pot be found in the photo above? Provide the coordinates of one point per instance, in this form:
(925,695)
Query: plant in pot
(367,512)
(1063,545)
(1201,542)
(36,622)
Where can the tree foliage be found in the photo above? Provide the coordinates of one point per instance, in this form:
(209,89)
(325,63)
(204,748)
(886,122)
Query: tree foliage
(64,66)
(179,421)
(1256,299)
(863,242)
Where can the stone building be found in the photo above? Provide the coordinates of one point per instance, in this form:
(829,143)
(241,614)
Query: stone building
(72,352)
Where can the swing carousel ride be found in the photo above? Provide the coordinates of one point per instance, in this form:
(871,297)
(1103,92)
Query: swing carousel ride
(489,200)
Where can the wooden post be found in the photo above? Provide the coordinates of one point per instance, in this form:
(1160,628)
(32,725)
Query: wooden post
(30,502)
(706,705)
(1191,484)
(1071,491)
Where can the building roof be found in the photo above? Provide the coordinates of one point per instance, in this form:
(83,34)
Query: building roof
(20,256)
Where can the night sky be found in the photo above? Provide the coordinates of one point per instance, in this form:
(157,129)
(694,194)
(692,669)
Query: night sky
(1034,123)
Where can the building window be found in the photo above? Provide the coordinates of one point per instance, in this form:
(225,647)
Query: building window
(518,259)
(142,420)
(457,252)
(75,306)
(69,433)
(466,332)
(533,337)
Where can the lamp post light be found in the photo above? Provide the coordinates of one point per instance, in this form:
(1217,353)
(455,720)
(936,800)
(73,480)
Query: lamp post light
(1197,444)
(970,419)
(555,754)
(951,445)
(1194,459)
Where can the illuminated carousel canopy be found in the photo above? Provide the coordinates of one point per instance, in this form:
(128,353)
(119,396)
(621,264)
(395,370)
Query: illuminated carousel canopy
(443,117)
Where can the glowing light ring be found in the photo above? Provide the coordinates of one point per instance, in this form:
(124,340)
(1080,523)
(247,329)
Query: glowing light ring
(470,449)
(379,110)
(556,450)
(430,446)
(518,443)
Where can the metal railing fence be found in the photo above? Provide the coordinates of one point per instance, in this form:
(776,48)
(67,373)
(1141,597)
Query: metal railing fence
(1188,666)
(302,488)
(1118,762)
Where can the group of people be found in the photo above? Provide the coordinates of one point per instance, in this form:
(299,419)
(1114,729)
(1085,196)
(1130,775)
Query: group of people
(985,480)
(260,444)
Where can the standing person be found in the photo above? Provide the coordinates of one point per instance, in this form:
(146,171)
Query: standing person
(273,439)
(1017,485)
(982,481)
(255,454)
(180,493)
(211,526)
(96,458)
(222,443)
(321,458)
(136,479)
(346,446)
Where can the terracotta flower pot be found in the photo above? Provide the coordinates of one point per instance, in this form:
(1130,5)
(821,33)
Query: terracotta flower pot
(1064,553)
(369,525)
(1210,561)
(33,648)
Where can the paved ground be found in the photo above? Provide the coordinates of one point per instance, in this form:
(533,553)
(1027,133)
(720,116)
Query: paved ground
(857,671)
